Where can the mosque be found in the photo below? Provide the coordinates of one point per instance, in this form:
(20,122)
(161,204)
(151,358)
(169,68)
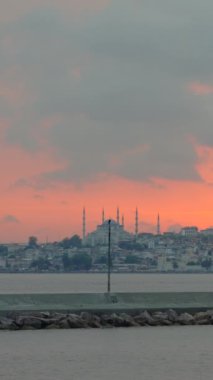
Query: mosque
(118,232)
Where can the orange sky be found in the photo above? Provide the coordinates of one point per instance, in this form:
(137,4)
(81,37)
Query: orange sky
(56,213)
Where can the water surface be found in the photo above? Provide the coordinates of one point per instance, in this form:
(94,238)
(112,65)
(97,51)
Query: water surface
(65,283)
(159,353)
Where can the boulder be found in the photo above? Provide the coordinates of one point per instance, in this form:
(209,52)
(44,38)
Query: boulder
(144,319)
(92,320)
(58,316)
(161,318)
(202,315)
(8,324)
(186,319)
(116,321)
(29,322)
(128,320)
(113,320)
(62,324)
(172,315)
(76,322)
(106,320)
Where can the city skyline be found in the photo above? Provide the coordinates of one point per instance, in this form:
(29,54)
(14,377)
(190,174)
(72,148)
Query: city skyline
(87,224)
(104,102)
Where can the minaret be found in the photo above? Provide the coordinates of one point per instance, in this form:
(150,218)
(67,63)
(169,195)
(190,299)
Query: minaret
(136,222)
(118,215)
(158,225)
(103,216)
(123,221)
(84,224)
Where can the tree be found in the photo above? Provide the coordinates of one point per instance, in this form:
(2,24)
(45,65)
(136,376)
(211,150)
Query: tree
(32,242)
(132,259)
(81,261)
(207,263)
(65,243)
(131,245)
(74,241)
(66,261)
(101,260)
(175,265)
(40,264)
(3,250)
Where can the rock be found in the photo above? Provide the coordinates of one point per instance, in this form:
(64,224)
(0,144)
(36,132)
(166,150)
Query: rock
(76,322)
(186,319)
(8,324)
(202,315)
(12,315)
(40,320)
(45,314)
(172,315)
(113,320)
(58,316)
(92,320)
(210,312)
(29,322)
(161,318)
(106,320)
(144,319)
(128,320)
(62,324)
(203,318)
(140,321)
(116,321)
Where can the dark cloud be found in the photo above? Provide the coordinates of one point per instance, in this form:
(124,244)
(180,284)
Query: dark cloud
(113,82)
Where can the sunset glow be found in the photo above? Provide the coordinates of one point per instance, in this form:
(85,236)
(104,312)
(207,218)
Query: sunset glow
(99,108)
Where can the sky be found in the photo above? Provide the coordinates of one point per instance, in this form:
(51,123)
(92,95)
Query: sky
(105,103)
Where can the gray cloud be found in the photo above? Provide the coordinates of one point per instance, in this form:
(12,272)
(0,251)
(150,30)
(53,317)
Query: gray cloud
(10,219)
(133,64)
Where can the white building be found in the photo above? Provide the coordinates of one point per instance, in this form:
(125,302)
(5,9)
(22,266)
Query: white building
(101,235)
(189,231)
(207,231)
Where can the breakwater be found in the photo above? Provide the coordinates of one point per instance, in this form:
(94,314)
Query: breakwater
(42,320)
(31,311)
(100,302)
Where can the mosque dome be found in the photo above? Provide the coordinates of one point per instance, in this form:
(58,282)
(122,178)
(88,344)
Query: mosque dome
(113,222)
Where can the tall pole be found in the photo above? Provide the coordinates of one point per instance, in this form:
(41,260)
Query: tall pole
(84,224)
(136,223)
(158,225)
(118,215)
(109,258)
(103,216)
(123,221)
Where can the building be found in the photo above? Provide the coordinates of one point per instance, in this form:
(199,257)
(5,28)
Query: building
(189,231)
(207,231)
(101,235)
